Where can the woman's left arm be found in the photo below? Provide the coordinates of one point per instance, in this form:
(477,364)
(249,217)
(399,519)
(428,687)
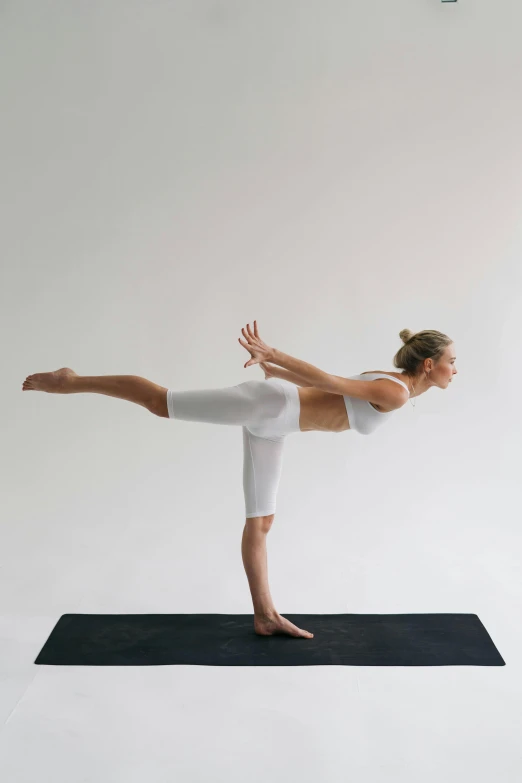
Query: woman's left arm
(312,375)
(261,352)
(381,391)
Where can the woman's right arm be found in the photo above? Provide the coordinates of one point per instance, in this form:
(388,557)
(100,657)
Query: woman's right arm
(273,371)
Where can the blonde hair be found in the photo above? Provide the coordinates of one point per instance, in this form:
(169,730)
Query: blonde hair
(428,344)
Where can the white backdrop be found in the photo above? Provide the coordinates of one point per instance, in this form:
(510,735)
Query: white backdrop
(337,171)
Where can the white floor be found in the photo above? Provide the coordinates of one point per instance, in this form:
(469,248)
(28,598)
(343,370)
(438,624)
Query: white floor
(76,724)
(106,725)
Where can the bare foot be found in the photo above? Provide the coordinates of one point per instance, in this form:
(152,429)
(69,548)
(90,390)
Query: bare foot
(275,624)
(54,382)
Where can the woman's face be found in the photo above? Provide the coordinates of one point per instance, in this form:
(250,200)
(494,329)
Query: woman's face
(446,368)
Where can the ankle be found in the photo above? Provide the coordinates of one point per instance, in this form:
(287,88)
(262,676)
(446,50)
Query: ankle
(266,614)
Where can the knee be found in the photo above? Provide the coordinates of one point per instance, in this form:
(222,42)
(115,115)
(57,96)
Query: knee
(158,405)
(261,524)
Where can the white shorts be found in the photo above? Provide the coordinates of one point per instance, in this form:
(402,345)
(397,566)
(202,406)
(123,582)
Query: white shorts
(267,411)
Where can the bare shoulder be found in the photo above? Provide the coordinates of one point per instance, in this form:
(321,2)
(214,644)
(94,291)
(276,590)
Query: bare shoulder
(396,396)
(386,394)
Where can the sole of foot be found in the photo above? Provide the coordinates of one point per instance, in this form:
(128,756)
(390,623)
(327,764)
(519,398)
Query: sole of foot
(57,382)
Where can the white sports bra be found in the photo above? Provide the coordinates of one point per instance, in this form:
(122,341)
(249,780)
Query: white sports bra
(363,417)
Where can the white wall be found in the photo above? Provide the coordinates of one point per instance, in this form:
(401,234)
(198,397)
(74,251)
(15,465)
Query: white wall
(337,171)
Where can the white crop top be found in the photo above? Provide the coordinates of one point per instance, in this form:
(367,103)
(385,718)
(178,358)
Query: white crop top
(362,416)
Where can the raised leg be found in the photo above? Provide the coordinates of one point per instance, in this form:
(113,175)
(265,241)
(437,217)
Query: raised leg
(267,620)
(126,387)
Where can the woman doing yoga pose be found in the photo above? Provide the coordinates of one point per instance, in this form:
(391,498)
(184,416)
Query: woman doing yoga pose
(294,397)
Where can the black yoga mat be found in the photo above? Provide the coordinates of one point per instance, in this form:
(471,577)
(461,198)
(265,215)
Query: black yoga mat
(230,640)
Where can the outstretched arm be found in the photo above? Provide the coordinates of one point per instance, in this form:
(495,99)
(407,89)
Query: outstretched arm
(262,353)
(272,371)
(306,372)
(380,392)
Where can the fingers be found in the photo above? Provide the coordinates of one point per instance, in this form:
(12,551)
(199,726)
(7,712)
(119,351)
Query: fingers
(250,337)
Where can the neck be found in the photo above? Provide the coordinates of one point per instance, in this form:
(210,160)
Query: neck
(417,384)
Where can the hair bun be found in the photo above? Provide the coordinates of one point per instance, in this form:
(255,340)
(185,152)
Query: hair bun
(406,335)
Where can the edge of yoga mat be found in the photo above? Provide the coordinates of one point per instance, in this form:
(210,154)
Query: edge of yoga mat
(445,639)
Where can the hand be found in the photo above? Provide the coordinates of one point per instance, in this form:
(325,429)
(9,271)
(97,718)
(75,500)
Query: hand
(267,369)
(259,351)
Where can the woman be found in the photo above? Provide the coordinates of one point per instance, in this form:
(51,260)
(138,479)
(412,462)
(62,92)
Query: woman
(268,411)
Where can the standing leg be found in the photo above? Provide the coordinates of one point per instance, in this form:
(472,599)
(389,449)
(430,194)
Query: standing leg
(262,465)
(267,620)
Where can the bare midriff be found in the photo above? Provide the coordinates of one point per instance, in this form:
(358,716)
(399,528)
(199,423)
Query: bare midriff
(322,411)
(326,412)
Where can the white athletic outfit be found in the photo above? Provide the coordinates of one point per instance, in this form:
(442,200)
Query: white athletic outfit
(363,417)
(267,411)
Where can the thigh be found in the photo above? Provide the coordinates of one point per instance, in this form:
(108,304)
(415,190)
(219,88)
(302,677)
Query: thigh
(250,403)
(262,466)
